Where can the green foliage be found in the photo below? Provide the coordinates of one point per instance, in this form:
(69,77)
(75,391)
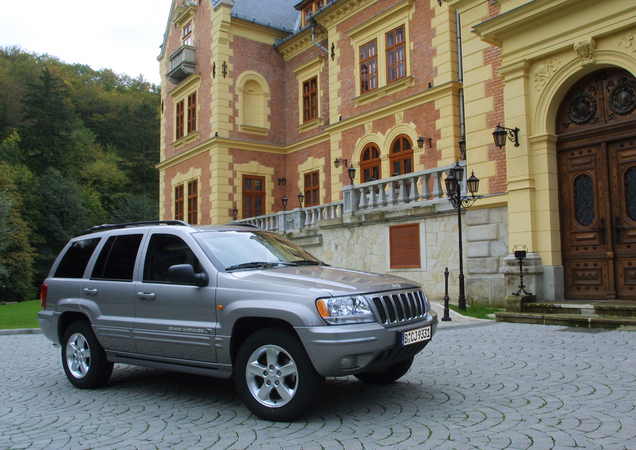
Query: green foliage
(20,315)
(78,147)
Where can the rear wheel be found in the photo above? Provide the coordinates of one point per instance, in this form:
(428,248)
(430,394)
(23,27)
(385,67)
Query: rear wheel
(83,358)
(388,376)
(275,377)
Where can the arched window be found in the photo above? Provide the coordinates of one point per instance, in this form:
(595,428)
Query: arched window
(370,164)
(401,156)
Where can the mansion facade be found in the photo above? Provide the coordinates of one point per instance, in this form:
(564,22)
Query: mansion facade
(335,122)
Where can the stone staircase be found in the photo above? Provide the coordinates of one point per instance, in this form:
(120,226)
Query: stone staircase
(608,314)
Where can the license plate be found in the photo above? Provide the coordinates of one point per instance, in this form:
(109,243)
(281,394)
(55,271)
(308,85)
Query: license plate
(415,336)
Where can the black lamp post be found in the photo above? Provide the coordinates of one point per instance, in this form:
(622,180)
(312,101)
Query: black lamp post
(235,212)
(284,203)
(453,191)
(301,197)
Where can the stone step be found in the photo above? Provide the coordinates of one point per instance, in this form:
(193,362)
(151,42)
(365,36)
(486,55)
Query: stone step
(569,320)
(595,309)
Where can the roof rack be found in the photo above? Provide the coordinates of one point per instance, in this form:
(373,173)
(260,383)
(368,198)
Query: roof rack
(105,227)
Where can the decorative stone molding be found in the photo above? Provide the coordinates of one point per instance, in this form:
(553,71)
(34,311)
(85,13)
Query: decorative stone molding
(399,118)
(544,71)
(585,50)
(628,42)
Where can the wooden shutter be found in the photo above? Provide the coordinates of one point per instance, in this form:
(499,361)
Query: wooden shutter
(404,243)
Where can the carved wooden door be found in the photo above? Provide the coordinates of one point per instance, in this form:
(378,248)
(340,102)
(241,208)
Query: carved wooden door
(598,218)
(597,175)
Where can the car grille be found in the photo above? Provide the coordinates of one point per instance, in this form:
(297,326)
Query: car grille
(400,307)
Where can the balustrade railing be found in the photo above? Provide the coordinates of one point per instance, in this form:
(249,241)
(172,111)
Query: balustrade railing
(423,188)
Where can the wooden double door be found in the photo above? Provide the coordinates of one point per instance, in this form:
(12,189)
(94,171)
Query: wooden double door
(598,216)
(597,186)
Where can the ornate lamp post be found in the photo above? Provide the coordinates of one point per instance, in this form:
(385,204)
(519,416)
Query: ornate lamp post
(453,191)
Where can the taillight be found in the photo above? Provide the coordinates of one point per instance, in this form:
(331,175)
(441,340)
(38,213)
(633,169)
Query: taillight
(44,289)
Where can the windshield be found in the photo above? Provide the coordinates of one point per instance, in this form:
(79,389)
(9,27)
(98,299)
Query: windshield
(251,250)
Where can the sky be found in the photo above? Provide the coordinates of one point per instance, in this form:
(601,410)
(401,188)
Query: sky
(122,36)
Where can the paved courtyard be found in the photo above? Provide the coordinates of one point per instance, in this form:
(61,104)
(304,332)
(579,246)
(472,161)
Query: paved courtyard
(495,386)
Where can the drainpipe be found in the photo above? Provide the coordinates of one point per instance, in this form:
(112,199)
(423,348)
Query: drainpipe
(313,37)
(460,68)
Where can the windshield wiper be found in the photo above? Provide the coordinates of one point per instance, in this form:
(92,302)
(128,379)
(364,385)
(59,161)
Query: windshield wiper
(255,265)
(307,262)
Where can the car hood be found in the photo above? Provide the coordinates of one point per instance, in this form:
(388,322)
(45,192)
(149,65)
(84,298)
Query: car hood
(332,281)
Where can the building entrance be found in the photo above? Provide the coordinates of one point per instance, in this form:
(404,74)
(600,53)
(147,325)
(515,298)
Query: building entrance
(597,178)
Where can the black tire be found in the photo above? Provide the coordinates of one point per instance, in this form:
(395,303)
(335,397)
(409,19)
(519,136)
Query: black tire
(83,358)
(273,363)
(388,376)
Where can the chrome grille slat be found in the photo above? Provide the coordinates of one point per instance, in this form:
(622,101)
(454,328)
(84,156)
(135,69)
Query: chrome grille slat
(399,307)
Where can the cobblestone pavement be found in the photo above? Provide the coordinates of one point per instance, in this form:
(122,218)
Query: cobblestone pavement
(498,386)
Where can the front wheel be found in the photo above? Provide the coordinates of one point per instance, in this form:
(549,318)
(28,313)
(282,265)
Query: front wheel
(275,377)
(388,376)
(83,358)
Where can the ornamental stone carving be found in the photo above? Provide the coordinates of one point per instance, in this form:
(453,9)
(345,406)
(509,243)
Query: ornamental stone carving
(585,50)
(544,71)
(628,42)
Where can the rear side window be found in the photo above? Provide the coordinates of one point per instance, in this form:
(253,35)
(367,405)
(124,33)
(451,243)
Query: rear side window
(74,262)
(117,259)
(164,251)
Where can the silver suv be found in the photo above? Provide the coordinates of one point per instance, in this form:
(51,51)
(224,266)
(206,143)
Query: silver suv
(228,301)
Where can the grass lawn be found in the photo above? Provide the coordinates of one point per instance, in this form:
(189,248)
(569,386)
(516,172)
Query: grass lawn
(477,311)
(20,315)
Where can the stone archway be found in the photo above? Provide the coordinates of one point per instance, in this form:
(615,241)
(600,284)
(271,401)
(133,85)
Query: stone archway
(596,150)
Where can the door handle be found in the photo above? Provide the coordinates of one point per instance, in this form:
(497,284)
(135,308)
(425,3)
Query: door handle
(617,225)
(90,291)
(602,230)
(146,296)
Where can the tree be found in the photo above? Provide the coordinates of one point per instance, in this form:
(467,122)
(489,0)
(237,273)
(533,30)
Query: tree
(48,116)
(135,208)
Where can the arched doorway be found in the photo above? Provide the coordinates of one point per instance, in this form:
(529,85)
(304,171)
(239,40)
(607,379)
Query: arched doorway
(596,127)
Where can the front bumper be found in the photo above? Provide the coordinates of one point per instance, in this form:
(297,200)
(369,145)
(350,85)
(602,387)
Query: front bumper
(338,350)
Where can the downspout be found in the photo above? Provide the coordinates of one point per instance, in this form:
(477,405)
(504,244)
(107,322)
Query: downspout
(460,68)
(313,37)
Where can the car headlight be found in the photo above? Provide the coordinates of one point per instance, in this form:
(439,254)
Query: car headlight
(345,310)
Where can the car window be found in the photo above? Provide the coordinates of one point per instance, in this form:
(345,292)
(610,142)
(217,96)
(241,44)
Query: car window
(164,251)
(117,259)
(73,263)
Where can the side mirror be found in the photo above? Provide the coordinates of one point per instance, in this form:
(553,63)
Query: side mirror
(184,274)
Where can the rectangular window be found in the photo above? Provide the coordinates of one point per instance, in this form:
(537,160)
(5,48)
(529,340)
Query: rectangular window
(187,34)
(395,55)
(76,259)
(404,242)
(117,259)
(253,196)
(192,202)
(178,202)
(312,189)
(310,99)
(368,67)
(192,112)
(180,120)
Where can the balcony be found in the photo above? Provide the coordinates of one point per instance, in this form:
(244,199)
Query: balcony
(182,64)
(403,194)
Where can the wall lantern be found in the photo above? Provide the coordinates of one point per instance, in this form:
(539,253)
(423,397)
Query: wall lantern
(301,197)
(420,142)
(501,133)
(282,181)
(235,212)
(284,203)
(336,162)
(352,173)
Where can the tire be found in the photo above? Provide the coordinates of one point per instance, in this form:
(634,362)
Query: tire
(275,377)
(83,358)
(388,376)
